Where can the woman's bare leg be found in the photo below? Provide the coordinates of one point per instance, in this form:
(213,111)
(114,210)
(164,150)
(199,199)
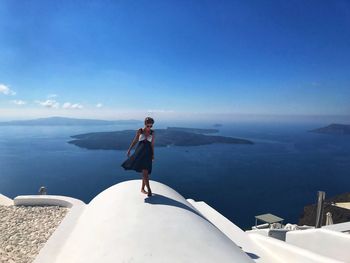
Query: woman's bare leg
(146,180)
(143,185)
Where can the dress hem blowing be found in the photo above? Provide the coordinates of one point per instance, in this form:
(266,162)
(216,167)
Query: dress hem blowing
(141,159)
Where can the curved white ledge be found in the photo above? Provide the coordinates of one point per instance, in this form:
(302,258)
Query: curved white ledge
(59,200)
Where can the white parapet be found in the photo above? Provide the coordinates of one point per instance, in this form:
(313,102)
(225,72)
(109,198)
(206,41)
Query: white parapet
(325,242)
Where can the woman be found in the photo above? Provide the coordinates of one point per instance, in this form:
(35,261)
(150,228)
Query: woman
(141,159)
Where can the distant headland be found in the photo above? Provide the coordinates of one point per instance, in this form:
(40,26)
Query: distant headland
(62,121)
(176,136)
(333,205)
(334,129)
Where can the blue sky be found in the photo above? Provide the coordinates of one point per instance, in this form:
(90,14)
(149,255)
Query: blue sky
(174,59)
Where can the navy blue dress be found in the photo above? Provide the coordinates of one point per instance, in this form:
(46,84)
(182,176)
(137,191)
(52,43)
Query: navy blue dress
(142,157)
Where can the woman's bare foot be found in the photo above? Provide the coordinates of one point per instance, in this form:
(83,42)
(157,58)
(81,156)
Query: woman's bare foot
(143,191)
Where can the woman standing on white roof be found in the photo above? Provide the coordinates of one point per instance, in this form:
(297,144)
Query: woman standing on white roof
(143,156)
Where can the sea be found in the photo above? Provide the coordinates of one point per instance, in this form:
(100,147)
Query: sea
(279,174)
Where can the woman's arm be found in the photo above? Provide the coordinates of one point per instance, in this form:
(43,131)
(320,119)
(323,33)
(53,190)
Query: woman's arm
(153,146)
(134,141)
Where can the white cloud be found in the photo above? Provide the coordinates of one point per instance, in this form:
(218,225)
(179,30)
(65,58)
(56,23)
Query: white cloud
(6,90)
(48,103)
(99,105)
(50,96)
(68,105)
(77,106)
(19,102)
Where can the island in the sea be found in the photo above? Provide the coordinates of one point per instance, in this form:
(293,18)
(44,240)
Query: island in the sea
(62,121)
(172,136)
(334,129)
(195,130)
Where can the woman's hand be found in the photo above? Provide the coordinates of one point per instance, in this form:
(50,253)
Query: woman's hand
(152,158)
(134,141)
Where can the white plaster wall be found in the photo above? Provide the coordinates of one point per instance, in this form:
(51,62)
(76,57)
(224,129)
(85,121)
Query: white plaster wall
(325,242)
(341,227)
(287,253)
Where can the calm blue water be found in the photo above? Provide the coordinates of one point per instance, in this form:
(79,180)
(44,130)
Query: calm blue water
(280,174)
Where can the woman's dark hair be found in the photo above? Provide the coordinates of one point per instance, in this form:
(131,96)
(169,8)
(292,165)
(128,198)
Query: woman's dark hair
(149,120)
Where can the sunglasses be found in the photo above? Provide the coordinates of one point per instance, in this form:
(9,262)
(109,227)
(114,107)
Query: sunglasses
(149,126)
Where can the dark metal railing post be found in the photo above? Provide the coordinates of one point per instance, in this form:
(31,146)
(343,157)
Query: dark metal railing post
(319,212)
(42,190)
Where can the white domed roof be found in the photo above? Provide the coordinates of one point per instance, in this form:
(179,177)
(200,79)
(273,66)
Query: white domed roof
(123,225)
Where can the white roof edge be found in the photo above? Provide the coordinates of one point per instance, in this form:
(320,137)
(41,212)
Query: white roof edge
(57,240)
(4,200)
(341,227)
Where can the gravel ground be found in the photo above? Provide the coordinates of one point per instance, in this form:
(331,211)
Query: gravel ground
(25,229)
